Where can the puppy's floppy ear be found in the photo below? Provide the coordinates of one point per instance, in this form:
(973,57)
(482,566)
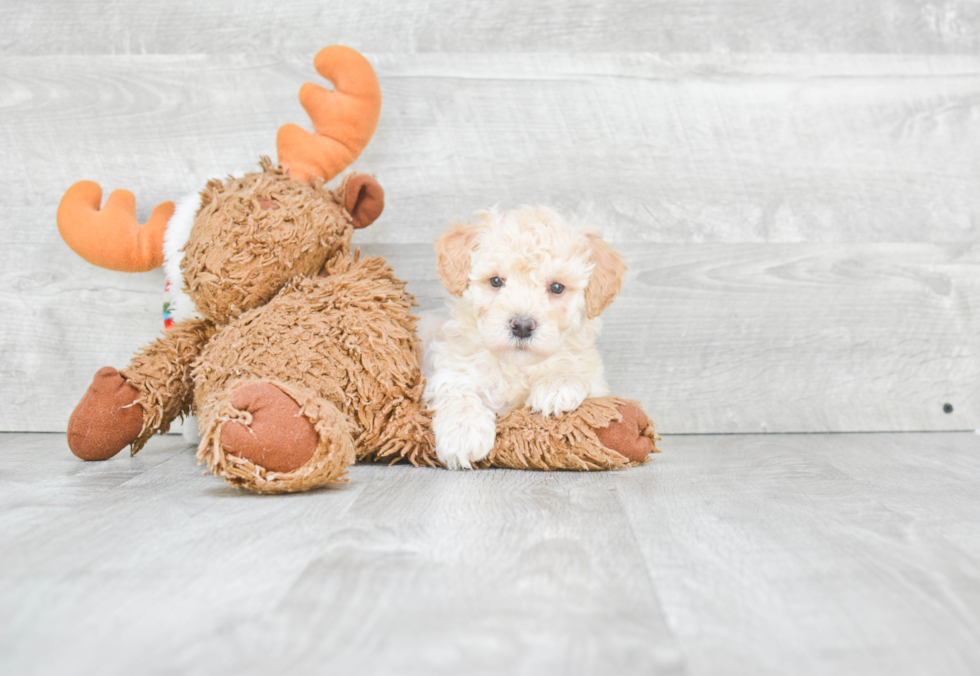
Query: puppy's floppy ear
(607,276)
(453,249)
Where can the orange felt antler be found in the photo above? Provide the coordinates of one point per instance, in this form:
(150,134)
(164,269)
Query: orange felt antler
(344,119)
(112,237)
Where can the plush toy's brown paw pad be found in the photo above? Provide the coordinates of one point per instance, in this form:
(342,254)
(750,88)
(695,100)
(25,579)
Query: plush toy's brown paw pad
(107,419)
(626,436)
(279,438)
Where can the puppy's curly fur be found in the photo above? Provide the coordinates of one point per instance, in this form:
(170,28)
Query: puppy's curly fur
(523,332)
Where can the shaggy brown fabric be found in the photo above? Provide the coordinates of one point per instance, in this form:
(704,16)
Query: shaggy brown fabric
(161,372)
(527,440)
(107,419)
(308,358)
(240,254)
(347,338)
(333,455)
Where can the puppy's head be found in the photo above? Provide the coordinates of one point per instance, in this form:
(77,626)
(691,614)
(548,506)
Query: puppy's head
(532,281)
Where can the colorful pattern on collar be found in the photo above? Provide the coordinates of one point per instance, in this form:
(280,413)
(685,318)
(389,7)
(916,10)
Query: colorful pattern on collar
(168,321)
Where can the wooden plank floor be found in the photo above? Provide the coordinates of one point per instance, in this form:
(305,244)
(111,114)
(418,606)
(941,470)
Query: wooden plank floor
(802,554)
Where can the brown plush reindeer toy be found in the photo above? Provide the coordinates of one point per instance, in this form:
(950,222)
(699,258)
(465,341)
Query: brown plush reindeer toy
(298,357)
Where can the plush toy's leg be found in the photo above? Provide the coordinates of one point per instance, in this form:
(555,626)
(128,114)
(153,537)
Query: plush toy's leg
(633,437)
(277,438)
(161,372)
(107,419)
(126,408)
(602,433)
(404,434)
(274,437)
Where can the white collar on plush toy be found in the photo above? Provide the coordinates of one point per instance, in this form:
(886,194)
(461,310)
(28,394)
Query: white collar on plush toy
(180,306)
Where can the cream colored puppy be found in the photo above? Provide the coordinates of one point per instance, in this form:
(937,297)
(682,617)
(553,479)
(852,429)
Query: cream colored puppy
(523,332)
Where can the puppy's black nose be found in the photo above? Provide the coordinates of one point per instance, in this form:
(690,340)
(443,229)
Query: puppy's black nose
(521,326)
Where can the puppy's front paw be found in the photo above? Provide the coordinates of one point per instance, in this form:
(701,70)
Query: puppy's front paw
(462,439)
(555,397)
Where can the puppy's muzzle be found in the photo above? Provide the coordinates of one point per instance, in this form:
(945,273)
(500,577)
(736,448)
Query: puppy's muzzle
(522,327)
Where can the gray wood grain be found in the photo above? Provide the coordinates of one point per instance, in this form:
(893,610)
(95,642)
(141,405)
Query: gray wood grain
(785,337)
(402,571)
(662,149)
(221,26)
(711,338)
(815,554)
(768,554)
(677,158)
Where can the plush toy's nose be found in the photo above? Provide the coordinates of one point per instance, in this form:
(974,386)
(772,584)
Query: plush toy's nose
(522,326)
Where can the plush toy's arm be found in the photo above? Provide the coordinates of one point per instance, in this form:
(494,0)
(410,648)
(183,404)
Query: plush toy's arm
(121,409)
(602,433)
(161,373)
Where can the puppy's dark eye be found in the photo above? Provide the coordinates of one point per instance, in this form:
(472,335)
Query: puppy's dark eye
(496,282)
(556,288)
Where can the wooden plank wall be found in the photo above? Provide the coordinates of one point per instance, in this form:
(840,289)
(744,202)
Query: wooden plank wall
(796,185)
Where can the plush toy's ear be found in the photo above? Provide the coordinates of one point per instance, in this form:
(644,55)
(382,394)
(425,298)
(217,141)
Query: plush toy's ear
(453,251)
(364,199)
(607,276)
